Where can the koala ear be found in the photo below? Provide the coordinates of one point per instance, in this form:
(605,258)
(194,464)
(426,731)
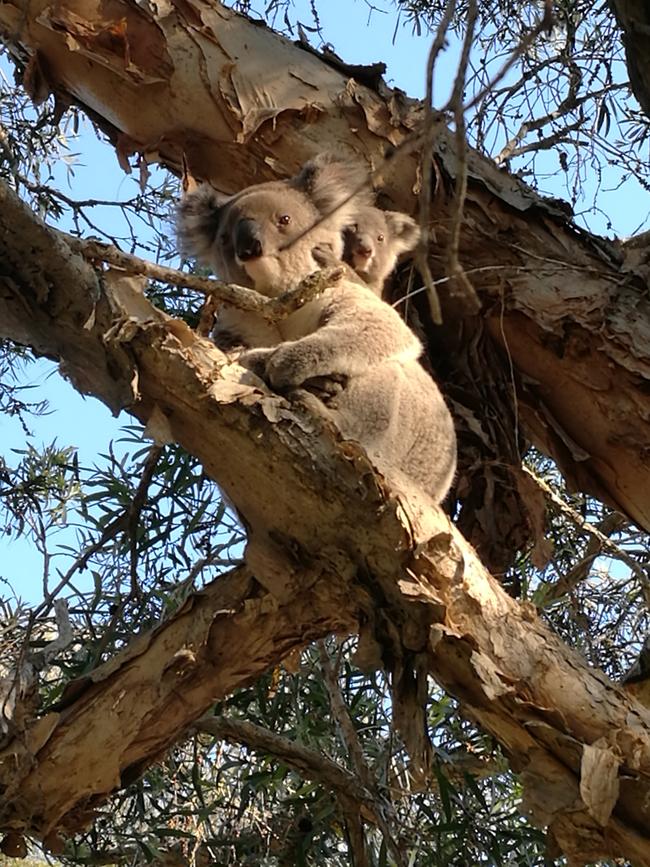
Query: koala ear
(198,217)
(403,231)
(329,181)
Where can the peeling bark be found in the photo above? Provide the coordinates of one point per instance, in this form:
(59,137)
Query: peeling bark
(568,311)
(125,715)
(581,744)
(564,325)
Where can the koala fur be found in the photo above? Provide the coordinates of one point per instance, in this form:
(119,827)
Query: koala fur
(264,237)
(217,230)
(373,243)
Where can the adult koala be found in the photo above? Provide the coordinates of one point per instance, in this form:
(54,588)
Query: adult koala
(265,237)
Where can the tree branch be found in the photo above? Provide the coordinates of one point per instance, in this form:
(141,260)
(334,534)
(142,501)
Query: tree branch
(579,319)
(308,762)
(357,553)
(239,296)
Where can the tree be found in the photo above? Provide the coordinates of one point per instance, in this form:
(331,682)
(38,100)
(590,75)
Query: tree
(555,353)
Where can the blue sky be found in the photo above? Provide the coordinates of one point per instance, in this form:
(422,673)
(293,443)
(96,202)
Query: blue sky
(359,35)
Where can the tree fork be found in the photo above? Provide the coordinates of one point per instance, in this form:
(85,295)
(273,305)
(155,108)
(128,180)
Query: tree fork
(566,311)
(357,555)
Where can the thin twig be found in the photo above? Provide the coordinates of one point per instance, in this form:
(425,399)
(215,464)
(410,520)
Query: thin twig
(510,149)
(461,286)
(611,523)
(135,510)
(238,296)
(312,764)
(544,144)
(426,165)
(523,46)
(109,532)
(606,543)
(355,750)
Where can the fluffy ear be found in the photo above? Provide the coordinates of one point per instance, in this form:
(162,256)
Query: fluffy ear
(329,181)
(402,230)
(198,217)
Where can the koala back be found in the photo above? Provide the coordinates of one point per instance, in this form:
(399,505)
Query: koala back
(388,402)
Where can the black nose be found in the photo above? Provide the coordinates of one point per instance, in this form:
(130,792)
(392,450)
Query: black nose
(247,240)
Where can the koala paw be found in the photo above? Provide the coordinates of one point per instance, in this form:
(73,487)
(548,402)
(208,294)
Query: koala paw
(325,388)
(256,360)
(324,255)
(289,366)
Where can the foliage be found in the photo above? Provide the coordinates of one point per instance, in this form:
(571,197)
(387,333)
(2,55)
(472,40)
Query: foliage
(13,393)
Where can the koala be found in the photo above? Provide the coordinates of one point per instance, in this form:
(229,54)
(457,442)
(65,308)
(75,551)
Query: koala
(374,241)
(265,237)
(210,228)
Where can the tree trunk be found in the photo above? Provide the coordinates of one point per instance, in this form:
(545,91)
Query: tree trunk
(563,310)
(634,19)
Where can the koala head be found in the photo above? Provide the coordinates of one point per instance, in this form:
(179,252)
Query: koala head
(263,236)
(374,241)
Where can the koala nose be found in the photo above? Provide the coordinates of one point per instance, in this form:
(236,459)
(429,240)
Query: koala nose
(363,249)
(247,241)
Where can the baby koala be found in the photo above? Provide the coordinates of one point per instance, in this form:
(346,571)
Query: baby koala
(375,240)
(265,237)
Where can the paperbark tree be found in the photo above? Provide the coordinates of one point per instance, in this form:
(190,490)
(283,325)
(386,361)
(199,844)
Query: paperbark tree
(562,324)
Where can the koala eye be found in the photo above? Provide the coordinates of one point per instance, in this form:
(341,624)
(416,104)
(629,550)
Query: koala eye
(284,220)
(381,238)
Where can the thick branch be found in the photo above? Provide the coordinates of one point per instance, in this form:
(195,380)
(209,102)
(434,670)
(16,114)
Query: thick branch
(572,323)
(111,725)
(581,744)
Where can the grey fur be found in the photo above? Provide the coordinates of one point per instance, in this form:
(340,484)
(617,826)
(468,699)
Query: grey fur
(374,242)
(381,396)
